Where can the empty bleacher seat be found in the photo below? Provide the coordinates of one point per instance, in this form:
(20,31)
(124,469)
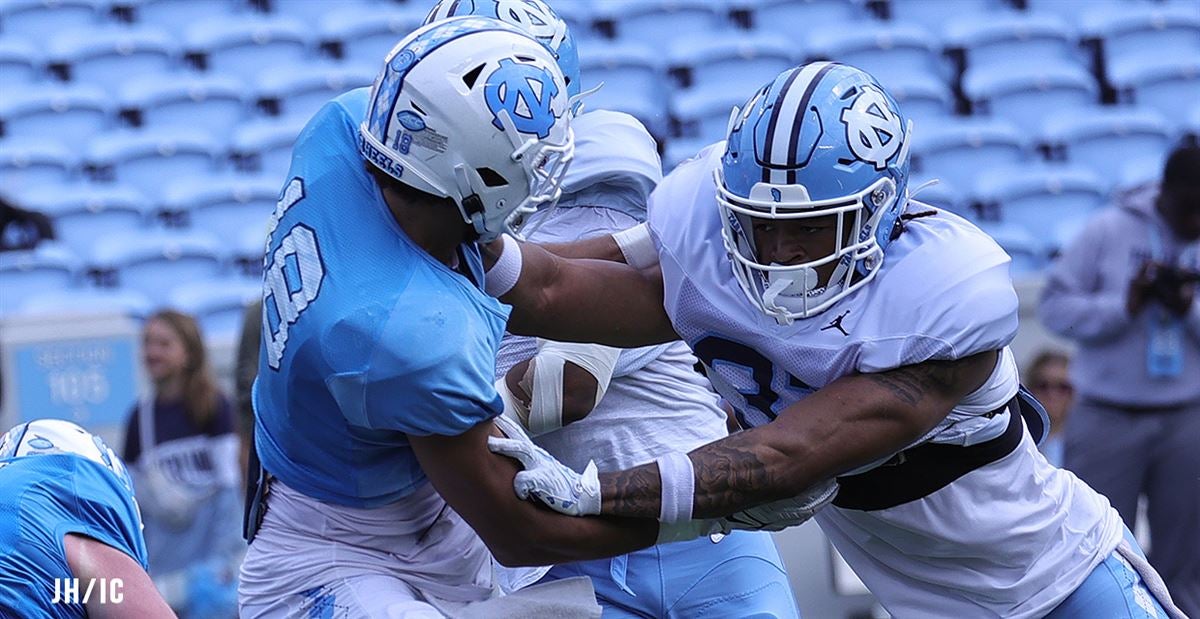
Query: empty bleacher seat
(580,16)
(84,300)
(265,147)
(737,62)
(1027,93)
(881,49)
(176,15)
(941,195)
(19,62)
(218,304)
(957,150)
(148,160)
(64,113)
(662,22)
(633,78)
(1105,138)
(310,11)
(107,57)
(246,252)
(922,97)
(244,47)
(153,262)
(365,37)
(704,115)
(1143,30)
(1166,83)
(679,150)
(292,92)
(186,101)
(1011,38)
(933,14)
(36,20)
(1040,198)
(1027,252)
(30,162)
(223,205)
(783,16)
(84,213)
(49,266)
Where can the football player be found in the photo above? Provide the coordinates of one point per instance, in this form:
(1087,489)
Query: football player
(71,532)
(860,336)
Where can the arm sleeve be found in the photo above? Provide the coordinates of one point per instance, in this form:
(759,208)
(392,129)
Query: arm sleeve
(1074,304)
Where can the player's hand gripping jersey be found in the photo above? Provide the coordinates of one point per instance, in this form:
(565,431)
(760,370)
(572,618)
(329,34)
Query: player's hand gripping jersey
(943,292)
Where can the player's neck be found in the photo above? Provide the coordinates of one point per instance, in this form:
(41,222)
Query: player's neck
(435,228)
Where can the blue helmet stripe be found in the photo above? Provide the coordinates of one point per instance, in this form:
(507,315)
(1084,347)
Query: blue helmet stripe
(769,143)
(801,111)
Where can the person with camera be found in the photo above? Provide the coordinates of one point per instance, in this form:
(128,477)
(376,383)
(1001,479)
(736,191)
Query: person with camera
(1125,290)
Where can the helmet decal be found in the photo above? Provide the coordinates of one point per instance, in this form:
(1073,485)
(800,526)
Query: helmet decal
(873,130)
(524,91)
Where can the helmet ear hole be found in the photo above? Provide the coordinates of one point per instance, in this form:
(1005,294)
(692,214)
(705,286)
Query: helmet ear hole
(490,177)
(470,77)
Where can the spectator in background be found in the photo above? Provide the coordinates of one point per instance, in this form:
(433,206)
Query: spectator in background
(1125,290)
(22,229)
(1050,383)
(246,371)
(182,447)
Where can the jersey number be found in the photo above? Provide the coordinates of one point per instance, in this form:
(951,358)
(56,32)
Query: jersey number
(715,351)
(292,275)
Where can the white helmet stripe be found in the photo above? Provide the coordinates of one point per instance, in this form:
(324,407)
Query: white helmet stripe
(789,115)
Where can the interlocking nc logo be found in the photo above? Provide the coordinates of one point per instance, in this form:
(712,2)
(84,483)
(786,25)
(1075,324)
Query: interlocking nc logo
(873,130)
(533,17)
(526,92)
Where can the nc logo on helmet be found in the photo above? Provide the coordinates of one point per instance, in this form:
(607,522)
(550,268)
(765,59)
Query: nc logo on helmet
(873,129)
(525,92)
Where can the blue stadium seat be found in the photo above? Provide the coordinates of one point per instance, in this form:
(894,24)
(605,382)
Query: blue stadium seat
(107,57)
(781,16)
(300,92)
(265,147)
(679,150)
(153,262)
(176,15)
(246,252)
(580,16)
(1165,83)
(933,14)
(662,22)
(1136,173)
(218,304)
(311,12)
(923,97)
(955,151)
(366,37)
(1026,94)
(881,49)
(1106,138)
(634,80)
(1190,125)
(37,20)
(84,213)
(1005,39)
(1143,30)
(1040,198)
(1027,253)
(49,266)
(735,62)
(1069,10)
(223,205)
(940,195)
(19,62)
(704,115)
(89,301)
(186,101)
(244,47)
(30,162)
(65,113)
(147,160)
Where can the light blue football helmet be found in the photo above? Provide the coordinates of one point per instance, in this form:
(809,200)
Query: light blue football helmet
(56,436)
(534,17)
(821,139)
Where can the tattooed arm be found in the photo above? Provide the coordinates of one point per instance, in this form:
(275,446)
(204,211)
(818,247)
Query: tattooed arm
(851,422)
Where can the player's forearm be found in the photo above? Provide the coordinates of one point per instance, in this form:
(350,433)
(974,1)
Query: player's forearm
(601,247)
(555,538)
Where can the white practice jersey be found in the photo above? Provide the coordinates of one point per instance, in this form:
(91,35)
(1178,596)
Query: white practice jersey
(1010,539)
(656,401)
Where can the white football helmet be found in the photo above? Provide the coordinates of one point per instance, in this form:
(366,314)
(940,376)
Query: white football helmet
(56,436)
(472,109)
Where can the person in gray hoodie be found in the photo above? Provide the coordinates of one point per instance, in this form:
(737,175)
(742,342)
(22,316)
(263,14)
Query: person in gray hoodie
(1125,290)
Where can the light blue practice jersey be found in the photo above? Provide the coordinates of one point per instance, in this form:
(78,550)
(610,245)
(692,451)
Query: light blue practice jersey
(366,337)
(42,499)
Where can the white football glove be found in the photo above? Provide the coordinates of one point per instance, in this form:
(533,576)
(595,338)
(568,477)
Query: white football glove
(784,513)
(544,477)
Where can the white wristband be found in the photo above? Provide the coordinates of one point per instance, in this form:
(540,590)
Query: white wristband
(678,487)
(503,275)
(637,246)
